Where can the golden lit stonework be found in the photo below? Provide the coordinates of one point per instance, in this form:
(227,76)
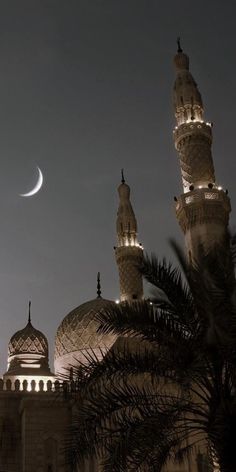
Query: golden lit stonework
(203,210)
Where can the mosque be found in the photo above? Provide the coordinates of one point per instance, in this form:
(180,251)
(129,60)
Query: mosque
(34,413)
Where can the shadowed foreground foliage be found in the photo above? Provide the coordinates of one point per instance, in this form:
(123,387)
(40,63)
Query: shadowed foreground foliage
(168,384)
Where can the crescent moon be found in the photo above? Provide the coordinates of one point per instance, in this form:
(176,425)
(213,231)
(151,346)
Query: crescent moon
(36,188)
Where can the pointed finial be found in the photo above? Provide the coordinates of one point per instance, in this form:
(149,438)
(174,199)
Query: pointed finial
(122,176)
(179,46)
(99,292)
(29,317)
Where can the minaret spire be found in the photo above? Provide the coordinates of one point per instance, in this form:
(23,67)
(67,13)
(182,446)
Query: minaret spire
(178,43)
(129,252)
(99,292)
(29,313)
(203,210)
(122,176)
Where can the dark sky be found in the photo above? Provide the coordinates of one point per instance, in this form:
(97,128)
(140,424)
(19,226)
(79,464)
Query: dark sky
(85,89)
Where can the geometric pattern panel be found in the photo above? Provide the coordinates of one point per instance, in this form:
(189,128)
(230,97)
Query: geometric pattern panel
(131,284)
(196,160)
(28,341)
(78,330)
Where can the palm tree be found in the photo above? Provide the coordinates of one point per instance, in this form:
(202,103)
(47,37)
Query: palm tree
(168,385)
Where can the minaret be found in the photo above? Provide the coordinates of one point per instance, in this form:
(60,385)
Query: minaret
(203,209)
(129,253)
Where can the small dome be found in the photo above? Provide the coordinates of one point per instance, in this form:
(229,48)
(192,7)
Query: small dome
(28,354)
(77,334)
(28,341)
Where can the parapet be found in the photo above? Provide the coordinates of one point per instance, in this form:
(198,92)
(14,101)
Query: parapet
(36,386)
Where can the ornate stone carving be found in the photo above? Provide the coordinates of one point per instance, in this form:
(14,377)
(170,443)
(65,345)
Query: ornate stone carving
(78,330)
(129,260)
(204,210)
(201,207)
(194,148)
(28,340)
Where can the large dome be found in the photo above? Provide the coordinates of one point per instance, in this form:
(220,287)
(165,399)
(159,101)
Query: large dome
(77,334)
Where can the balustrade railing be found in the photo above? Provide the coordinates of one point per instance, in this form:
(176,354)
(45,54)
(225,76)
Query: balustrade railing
(34,385)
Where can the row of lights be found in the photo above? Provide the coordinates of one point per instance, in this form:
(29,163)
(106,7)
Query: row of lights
(210,186)
(196,121)
(118,301)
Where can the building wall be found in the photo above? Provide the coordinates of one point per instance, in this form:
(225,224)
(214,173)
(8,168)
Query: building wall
(33,427)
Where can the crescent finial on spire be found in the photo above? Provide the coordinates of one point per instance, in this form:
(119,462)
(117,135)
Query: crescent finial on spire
(122,176)
(99,292)
(29,316)
(179,46)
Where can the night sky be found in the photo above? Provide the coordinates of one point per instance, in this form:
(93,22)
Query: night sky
(86,89)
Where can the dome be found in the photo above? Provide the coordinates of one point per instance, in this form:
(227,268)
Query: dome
(77,334)
(28,341)
(28,353)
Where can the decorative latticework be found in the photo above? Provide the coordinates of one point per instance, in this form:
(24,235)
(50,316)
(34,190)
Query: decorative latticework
(203,207)
(78,330)
(129,260)
(28,341)
(196,160)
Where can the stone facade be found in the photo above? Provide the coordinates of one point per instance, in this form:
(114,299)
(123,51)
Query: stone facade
(33,426)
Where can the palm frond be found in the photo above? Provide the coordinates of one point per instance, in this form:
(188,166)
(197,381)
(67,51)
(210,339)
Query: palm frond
(168,383)
(135,412)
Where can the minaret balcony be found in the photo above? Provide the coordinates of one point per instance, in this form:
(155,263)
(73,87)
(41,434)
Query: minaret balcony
(127,252)
(188,128)
(201,194)
(202,205)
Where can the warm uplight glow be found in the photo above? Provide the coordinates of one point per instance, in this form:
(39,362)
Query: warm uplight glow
(194,121)
(131,242)
(219,188)
(189,199)
(211,196)
(29,379)
(117,302)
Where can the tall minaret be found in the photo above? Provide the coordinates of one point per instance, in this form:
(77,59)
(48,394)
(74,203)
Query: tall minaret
(129,253)
(203,209)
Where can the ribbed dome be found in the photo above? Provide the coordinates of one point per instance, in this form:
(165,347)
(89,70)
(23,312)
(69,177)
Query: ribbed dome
(28,354)
(78,330)
(28,341)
